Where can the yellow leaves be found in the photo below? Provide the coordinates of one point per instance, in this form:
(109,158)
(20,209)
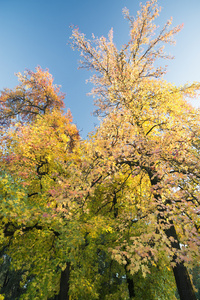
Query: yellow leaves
(124,72)
(97,225)
(113,190)
(43,144)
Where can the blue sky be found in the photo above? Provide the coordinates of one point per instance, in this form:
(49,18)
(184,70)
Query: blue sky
(36,32)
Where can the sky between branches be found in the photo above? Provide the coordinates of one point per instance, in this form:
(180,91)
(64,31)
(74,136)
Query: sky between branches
(36,33)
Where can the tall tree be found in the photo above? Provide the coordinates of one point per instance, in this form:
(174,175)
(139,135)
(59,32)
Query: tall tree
(37,150)
(148,130)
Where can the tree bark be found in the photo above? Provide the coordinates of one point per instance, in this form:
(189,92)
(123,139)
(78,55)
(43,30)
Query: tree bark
(130,283)
(64,284)
(183,282)
(182,278)
(130,287)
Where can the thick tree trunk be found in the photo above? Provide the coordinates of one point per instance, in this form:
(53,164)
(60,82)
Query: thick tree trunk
(64,284)
(130,283)
(182,278)
(130,287)
(183,282)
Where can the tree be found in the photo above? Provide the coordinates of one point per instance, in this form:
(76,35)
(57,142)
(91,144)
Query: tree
(36,94)
(38,148)
(37,156)
(104,217)
(56,229)
(148,130)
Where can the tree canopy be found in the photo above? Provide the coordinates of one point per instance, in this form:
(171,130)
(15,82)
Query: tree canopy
(115,216)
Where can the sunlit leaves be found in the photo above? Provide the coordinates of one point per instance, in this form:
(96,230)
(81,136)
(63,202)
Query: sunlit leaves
(123,204)
(147,143)
(36,94)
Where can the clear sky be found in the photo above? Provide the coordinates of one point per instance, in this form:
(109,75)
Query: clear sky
(36,32)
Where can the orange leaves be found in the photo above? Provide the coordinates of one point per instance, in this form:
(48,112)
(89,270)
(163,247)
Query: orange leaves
(131,182)
(36,94)
(149,131)
(143,23)
(120,73)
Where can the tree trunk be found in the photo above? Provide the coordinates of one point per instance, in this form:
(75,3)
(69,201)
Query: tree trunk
(182,278)
(183,282)
(130,283)
(130,287)
(64,284)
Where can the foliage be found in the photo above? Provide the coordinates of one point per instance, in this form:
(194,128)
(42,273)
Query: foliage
(36,94)
(195,272)
(34,156)
(148,130)
(117,213)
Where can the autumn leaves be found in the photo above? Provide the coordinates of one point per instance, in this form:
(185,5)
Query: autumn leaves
(126,200)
